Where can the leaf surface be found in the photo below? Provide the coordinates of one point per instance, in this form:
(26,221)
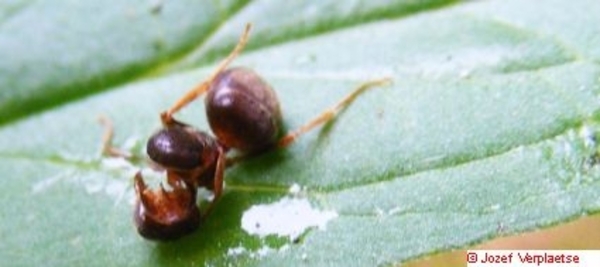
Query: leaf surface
(490,127)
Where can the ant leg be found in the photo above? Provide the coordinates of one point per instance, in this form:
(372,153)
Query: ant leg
(201,88)
(141,193)
(218,180)
(330,113)
(107,148)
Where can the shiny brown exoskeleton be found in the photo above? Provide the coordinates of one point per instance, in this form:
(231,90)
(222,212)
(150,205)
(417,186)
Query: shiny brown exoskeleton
(165,215)
(244,114)
(243,110)
(192,159)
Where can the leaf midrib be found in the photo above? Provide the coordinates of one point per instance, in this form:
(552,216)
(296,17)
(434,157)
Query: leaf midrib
(96,165)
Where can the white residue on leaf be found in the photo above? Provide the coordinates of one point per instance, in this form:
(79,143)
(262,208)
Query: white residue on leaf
(242,251)
(237,251)
(119,163)
(131,142)
(44,184)
(116,189)
(465,73)
(379,212)
(288,217)
(94,185)
(295,189)
(383,213)
(588,136)
(394,210)
(261,252)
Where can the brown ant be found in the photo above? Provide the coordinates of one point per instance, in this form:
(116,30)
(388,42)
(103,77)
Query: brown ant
(244,114)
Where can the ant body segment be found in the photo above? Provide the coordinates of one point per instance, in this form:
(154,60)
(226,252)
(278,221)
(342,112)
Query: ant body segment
(244,114)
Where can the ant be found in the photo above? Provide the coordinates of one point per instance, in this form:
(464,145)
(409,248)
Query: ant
(244,114)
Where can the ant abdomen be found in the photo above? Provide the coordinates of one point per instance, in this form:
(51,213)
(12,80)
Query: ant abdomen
(243,110)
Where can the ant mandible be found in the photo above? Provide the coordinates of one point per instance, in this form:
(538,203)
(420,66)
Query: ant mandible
(244,114)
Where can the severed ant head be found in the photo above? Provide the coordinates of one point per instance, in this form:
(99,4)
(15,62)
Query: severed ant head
(165,214)
(190,158)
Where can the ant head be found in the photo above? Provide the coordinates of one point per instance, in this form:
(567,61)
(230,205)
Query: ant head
(165,214)
(181,147)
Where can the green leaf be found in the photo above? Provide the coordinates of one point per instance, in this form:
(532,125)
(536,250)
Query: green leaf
(490,127)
